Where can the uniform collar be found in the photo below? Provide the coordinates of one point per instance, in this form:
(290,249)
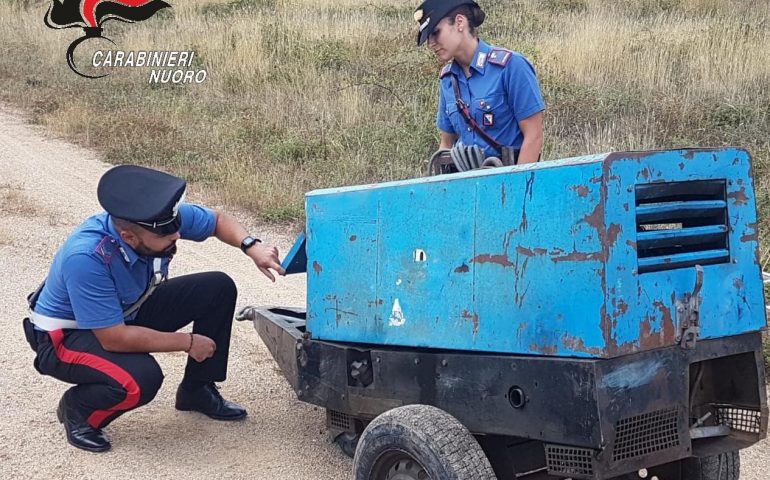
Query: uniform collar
(479,61)
(126,252)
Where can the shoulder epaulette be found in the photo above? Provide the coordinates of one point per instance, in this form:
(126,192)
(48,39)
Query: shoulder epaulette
(500,56)
(445,71)
(106,248)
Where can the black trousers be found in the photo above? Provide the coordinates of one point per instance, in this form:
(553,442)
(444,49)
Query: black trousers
(108,384)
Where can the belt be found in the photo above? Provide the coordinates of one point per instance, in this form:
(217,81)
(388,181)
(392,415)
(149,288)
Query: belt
(44,322)
(50,324)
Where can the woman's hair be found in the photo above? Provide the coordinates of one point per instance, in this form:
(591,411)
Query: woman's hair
(473,13)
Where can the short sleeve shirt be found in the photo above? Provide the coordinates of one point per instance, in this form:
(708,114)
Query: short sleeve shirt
(95,275)
(501,92)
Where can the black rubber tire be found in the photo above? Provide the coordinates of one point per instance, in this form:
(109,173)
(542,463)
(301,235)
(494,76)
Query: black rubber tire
(725,466)
(347,442)
(441,446)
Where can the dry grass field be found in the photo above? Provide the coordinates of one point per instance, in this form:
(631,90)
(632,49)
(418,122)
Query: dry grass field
(304,94)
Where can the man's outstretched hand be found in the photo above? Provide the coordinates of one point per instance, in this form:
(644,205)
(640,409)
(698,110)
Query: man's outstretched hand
(266,259)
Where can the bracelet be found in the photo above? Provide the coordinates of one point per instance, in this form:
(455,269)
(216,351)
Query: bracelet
(191,342)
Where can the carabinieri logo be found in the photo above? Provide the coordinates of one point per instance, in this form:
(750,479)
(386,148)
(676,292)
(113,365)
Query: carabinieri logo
(91,14)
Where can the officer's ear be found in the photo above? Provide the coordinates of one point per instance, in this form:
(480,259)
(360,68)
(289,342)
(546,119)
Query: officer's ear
(460,21)
(128,236)
(126,230)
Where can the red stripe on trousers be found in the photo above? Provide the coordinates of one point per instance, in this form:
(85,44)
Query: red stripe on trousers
(101,365)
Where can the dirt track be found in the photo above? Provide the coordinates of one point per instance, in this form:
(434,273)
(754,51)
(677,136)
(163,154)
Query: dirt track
(47,187)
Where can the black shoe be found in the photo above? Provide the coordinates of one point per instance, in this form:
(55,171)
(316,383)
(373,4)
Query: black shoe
(208,401)
(79,433)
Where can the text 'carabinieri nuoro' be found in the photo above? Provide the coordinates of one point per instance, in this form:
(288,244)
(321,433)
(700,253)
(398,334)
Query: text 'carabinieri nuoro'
(167,66)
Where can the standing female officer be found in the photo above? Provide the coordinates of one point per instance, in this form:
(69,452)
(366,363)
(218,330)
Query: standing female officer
(490,104)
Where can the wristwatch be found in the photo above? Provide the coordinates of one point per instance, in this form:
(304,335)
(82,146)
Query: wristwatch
(249,242)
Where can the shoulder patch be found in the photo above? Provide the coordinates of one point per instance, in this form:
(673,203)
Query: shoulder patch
(445,71)
(106,249)
(500,57)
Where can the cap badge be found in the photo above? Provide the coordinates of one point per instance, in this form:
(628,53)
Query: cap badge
(175,210)
(424,24)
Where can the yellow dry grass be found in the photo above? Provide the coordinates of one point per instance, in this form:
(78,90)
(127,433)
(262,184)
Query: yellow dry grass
(304,94)
(13,201)
(5,238)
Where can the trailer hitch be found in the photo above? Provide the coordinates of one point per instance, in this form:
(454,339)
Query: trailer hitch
(246,313)
(688,313)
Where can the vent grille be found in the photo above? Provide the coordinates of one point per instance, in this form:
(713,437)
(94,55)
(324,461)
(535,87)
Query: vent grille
(645,434)
(339,420)
(572,461)
(737,418)
(681,224)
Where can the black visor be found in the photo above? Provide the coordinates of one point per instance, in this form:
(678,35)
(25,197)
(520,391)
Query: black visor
(167,227)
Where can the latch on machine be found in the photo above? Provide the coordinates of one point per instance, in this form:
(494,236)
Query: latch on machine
(688,313)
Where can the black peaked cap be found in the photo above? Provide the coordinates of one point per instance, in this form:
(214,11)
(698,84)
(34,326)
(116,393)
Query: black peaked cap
(144,196)
(430,12)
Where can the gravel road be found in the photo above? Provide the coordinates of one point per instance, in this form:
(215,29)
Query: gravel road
(47,187)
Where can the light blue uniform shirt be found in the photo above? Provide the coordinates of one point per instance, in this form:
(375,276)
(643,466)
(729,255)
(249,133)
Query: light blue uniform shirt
(499,97)
(95,275)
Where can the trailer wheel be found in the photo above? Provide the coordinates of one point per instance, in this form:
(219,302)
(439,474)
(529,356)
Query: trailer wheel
(419,442)
(347,442)
(724,466)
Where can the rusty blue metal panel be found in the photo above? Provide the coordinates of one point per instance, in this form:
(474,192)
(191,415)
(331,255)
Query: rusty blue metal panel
(535,245)
(537,259)
(342,267)
(296,259)
(644,310)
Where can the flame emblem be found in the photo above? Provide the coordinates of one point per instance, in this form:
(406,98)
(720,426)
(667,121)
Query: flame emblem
(91,14)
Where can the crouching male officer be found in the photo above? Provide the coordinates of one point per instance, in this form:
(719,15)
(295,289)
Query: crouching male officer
(105,305)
